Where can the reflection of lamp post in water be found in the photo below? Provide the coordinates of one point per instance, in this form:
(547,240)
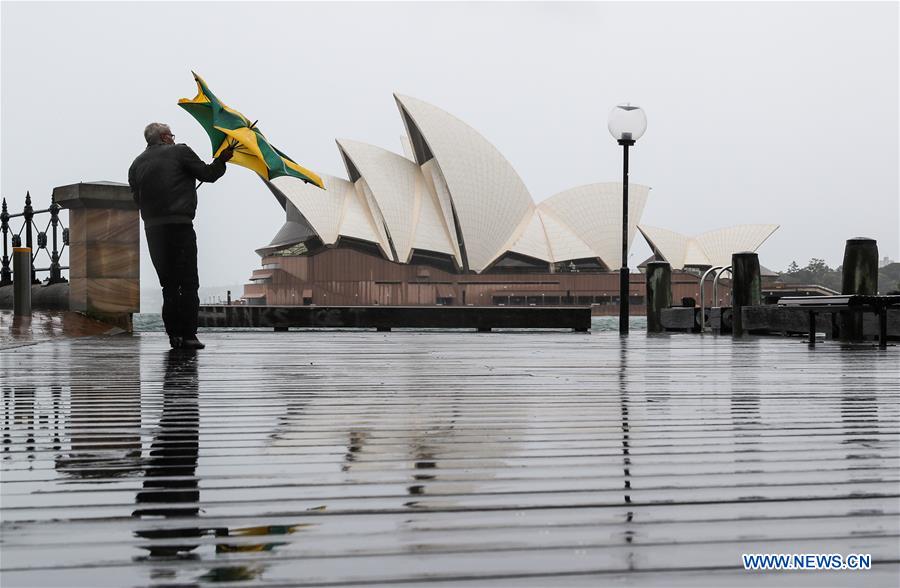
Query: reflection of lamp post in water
(626,124)
(626,447)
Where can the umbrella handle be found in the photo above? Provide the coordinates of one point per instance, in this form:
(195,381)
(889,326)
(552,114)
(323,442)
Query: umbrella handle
(233,143)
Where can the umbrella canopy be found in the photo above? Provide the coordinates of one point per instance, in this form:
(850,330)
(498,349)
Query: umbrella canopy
(227,127)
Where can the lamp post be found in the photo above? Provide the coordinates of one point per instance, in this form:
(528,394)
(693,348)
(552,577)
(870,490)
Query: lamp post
(626,124)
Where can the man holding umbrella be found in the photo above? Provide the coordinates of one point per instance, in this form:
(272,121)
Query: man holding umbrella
(162,181)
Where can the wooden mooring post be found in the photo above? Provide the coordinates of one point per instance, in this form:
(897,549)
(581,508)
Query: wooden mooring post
(659,293)
(746,287)
(860,276)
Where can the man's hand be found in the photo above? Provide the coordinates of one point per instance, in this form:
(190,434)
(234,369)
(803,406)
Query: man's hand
(226,153)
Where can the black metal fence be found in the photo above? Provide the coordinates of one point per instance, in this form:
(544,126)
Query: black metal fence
(12,238)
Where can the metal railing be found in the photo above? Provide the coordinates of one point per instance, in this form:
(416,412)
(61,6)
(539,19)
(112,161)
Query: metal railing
(702,317)
(57,233)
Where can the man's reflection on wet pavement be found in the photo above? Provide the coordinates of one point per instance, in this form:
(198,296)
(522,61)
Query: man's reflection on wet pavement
(170,489)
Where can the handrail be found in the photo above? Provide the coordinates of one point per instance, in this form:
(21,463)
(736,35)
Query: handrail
(702,303)
(10,236)
(716,282)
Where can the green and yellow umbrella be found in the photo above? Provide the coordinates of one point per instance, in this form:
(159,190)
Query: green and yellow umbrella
(227,127)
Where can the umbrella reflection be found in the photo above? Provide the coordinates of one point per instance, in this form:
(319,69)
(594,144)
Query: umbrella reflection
(261,531)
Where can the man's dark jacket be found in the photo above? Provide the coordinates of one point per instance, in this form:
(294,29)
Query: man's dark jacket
(162,181)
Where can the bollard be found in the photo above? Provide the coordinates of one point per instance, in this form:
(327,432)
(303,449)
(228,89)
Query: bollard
(860,276)
(659,293)
(746,288)
(22,281)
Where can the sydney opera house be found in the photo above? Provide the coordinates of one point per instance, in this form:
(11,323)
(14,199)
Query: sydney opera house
(451,222)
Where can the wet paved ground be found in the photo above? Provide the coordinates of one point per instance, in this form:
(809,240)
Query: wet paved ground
(504,459)
(16,331)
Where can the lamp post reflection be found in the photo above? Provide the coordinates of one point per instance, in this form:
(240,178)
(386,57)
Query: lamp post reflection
(629,532)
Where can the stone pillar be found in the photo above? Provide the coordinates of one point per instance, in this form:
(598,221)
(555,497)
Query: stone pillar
(746,288)
(860,276)
(659,293)
(104,250)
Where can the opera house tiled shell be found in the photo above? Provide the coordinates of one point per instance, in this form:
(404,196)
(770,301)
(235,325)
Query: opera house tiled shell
(713,248)
(453,196)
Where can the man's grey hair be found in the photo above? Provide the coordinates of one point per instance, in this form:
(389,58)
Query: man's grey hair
(153,132)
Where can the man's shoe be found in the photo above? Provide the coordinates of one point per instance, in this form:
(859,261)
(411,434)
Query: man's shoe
(192,343)
(176,342)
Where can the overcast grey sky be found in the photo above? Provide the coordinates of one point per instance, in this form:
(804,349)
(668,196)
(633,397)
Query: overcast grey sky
(758,112)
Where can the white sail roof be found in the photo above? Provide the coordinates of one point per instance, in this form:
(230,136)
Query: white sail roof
(437,185)
(564,243)
(358,222)
(488,196)
(460,197)
(431,232)
(594,213)
(694,254)
(720,244)
(712,248)
(397,187)
(322,209)
(380,225)
(670,245)
(533,240)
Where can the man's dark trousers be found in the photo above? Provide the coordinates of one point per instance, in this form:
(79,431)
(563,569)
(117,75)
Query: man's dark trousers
(173,249)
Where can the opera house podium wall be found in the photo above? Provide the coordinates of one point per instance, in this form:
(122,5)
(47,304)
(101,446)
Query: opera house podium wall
(341,276)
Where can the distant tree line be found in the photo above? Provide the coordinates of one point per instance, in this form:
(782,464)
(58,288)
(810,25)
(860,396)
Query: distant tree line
(818,272)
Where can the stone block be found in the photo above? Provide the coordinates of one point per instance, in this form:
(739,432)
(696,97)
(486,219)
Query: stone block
(112,226)
(112,260)
(107,296)
(104,247)
(678,318)
(78,293)
(103,195)
(77,258)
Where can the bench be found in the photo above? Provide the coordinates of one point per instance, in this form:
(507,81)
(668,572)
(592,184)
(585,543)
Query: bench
(847,302)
